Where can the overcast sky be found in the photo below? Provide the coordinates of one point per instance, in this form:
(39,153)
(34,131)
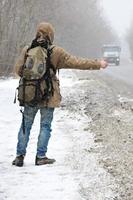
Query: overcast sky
(119,13)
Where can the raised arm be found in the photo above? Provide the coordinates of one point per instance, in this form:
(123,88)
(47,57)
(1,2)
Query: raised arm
(68,61)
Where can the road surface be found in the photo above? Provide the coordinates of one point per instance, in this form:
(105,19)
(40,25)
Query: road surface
(123,72)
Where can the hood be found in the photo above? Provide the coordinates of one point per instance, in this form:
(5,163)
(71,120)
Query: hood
(46,28)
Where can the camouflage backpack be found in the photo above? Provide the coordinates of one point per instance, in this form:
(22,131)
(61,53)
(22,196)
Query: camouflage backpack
(36,83)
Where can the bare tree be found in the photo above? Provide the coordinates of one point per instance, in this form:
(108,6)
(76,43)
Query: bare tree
(80,27)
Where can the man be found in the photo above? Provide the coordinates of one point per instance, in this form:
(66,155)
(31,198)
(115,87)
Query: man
(60,59)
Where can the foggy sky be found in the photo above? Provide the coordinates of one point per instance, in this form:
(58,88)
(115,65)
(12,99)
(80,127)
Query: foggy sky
(119,13)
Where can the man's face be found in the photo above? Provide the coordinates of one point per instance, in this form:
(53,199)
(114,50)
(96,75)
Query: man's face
(41,37)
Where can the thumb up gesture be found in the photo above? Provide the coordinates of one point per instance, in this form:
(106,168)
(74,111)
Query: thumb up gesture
(103,63)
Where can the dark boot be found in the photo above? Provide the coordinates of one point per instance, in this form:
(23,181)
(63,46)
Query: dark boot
(19,161)
(44,161)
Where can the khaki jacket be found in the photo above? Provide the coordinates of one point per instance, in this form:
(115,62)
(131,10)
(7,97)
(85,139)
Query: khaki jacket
(60,60)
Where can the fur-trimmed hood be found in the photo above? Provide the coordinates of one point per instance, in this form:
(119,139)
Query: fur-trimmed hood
(46,28)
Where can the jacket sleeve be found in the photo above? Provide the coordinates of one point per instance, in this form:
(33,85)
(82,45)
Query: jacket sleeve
(68,61)
(20,61)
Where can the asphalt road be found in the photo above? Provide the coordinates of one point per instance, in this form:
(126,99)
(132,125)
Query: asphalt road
(106,98)
(123,72)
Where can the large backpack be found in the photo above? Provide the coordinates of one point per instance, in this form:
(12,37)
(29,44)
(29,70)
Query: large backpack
(35,84)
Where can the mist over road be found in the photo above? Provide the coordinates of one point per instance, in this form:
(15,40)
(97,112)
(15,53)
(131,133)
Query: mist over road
(123,72)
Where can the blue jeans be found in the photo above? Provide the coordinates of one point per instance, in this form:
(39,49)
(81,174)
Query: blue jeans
(45,129)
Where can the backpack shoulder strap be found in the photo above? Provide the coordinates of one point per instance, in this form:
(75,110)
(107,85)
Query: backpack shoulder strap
(49,52)
(50,49)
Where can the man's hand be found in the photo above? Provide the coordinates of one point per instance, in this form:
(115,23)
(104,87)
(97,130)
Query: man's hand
(103,63)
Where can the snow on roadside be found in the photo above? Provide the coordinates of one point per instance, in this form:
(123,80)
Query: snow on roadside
(75,175)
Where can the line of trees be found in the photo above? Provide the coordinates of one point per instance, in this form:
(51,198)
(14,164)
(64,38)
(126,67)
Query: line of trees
(80,27)
(130,39)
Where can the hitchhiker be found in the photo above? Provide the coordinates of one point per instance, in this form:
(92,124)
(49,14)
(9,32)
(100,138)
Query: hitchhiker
(39,88)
